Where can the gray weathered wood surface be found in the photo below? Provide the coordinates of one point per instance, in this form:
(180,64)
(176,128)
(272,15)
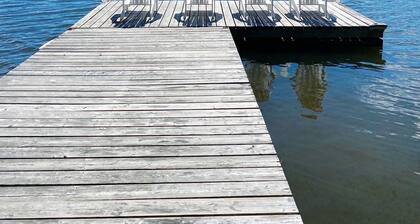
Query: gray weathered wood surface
(170,13)
(137,126)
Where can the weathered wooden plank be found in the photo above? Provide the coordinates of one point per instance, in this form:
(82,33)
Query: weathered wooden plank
(140,208)
(154,67)
(143,47)
(139,176)
(206,73)
(113,17)
(87,64)
(193,42)
(133,131)
(136,31)
(123,94)
(125,83)
(355,14)
(133,122)
(116,88)
(132,107)
(146,191)
(165,35)
(226,13)
(177,15)
(346,17)
(168,53)
(123,100)
(138,163)
(234,11)
(211,56)
(163,7)
(90,15)
(129,114)
(135,151)
(100,15)
(169,13)
(243,219)
(133,77)
(133,140)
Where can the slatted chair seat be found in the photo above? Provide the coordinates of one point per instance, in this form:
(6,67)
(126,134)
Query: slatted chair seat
(153,5)
(210,4)
(243,6)
(297,8)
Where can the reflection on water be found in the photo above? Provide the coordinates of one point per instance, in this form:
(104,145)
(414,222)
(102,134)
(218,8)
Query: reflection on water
(308,82)
(261,76)
(346,126)
(310,86)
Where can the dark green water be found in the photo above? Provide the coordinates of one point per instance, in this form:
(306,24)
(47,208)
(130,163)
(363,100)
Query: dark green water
(346,122)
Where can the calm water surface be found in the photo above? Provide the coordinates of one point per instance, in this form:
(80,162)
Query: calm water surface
(28,24)
(346,124)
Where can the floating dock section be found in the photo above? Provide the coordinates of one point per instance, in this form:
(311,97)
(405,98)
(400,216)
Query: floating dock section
(343,25)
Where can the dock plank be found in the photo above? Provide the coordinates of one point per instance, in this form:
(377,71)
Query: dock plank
(147,191)
(97,177)
(244,219)
(160,163)
(143,208)
(134,151)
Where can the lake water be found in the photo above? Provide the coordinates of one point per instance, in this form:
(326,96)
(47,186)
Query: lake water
(346,124)
(28,24)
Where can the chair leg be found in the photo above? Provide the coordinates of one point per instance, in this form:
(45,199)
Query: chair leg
(273,16)
(151,9)
(242,9)
(244,12)
(122,16)
(184,13)
(326,10)
(213,9)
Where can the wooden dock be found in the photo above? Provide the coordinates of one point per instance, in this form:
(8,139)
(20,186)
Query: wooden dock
(142,125)
(343,25)
(99,127)
(170,14)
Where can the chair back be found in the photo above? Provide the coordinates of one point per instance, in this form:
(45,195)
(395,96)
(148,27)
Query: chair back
(138,2)
(309,2)
(256,2)
(199,2)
